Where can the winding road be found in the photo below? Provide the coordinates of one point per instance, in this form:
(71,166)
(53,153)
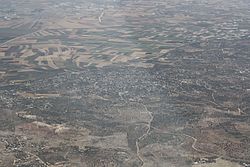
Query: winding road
(144,135)
(100,17)
(202,151)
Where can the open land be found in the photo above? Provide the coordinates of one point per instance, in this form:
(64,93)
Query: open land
(125,83)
